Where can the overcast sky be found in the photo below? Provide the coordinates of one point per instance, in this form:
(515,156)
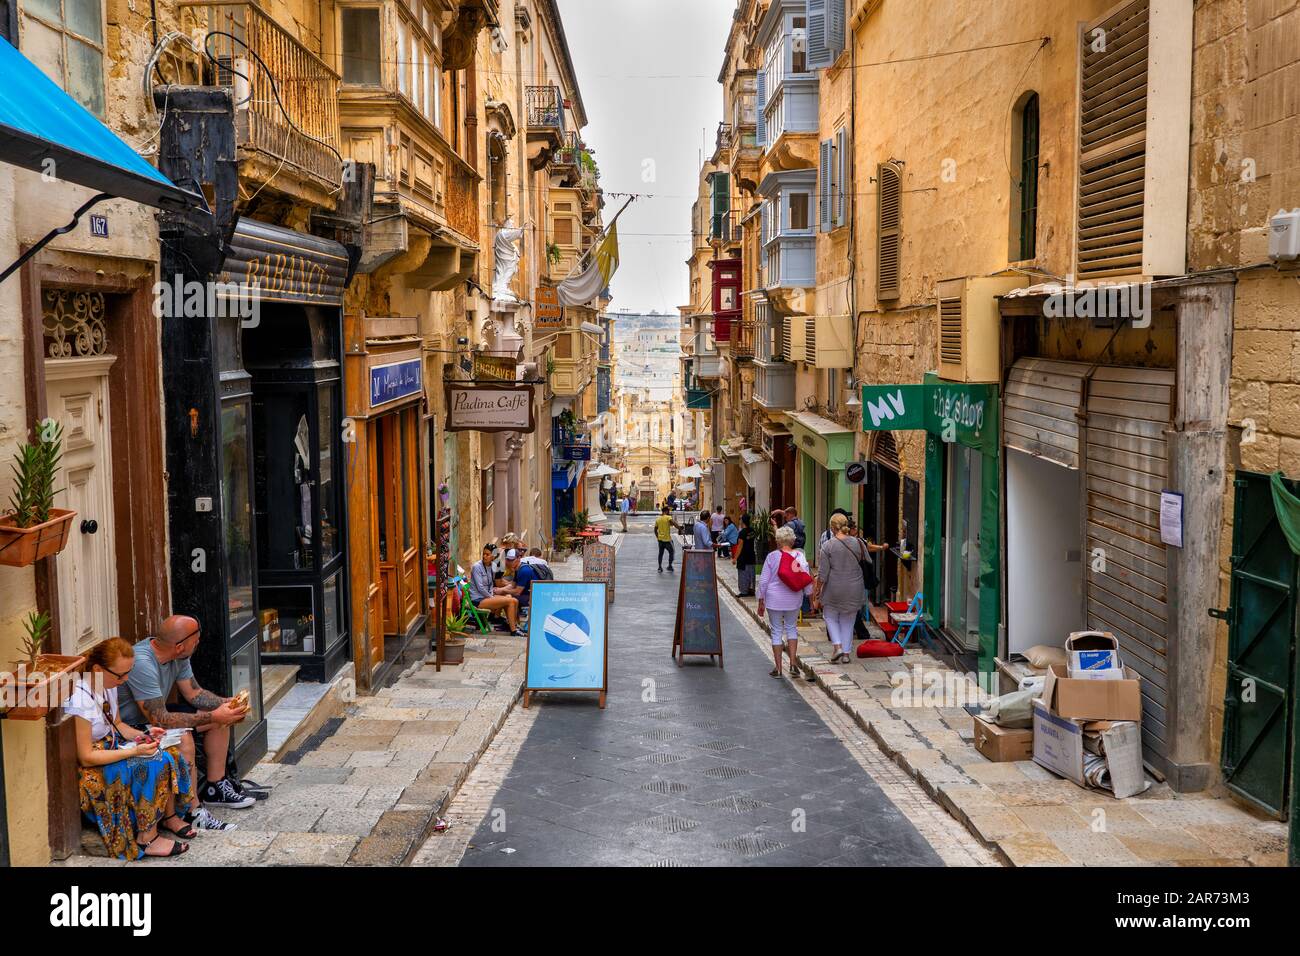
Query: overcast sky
(648,73)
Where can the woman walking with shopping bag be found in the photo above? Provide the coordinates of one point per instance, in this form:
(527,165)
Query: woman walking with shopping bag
(840,591)
(781,588)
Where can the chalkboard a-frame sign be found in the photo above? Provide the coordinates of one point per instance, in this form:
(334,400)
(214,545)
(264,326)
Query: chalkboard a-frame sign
(698,628)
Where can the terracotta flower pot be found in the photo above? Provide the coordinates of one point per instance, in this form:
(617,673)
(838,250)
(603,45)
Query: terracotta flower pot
(20,547)
(453,649)
(44,686)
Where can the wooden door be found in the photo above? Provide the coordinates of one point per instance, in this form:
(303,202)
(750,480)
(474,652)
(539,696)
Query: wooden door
(408,500)
(382,597)
(77,398)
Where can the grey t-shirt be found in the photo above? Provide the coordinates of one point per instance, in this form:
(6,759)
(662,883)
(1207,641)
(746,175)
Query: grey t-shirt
(841,575)
(149,680)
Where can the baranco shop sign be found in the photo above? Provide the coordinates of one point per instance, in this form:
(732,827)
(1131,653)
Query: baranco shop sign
(490,408)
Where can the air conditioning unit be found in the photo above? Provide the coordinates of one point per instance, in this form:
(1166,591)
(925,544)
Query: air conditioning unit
(828,341)
(969,326)
(794,332)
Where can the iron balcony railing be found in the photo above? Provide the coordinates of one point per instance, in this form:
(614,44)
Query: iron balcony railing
(742,339)
(570,154)
(305,133)
(545,108)
(724,136)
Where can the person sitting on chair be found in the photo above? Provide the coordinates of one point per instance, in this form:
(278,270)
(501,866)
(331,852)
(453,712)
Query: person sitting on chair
(487,595)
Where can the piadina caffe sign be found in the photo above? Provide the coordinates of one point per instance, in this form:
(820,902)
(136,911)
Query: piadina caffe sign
(957,412)
(490,408)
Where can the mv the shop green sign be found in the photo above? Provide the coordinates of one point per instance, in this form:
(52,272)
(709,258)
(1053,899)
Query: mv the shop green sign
(956,412)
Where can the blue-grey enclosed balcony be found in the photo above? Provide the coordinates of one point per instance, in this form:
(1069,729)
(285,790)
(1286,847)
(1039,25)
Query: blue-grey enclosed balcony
(787,85)
(788,232)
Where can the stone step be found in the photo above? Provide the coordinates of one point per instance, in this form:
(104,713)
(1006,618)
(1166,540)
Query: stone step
(277,680)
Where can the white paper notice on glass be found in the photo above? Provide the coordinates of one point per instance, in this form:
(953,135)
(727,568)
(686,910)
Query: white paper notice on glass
(1171,518)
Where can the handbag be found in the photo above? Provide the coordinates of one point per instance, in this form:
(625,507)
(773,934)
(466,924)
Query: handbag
(791,576)
(865,565)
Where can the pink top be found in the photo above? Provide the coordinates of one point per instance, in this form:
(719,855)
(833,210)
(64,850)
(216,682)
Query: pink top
(772,590)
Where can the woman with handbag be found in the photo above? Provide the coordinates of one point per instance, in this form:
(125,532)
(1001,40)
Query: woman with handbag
(781,587)
(843,566)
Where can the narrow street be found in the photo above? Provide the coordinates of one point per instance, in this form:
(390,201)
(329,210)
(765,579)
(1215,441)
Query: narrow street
(689,766)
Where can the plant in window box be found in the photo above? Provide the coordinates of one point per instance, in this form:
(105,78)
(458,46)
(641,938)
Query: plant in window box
(34,528)
(553,254)
(41,681)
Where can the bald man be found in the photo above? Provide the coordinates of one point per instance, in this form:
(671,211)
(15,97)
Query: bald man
(161,663)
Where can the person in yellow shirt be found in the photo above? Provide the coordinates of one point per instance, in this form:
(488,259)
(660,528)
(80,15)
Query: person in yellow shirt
(664,535)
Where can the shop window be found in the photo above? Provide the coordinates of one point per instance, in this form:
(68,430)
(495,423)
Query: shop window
(65,38)
(487,487)
(961,559)
(285,484)
(1025,224)
(327,534)
(361,47)
(237,515)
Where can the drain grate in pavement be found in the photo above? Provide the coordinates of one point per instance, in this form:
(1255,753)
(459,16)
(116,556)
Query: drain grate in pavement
(667,823)
(718,746)
(737,805)
(750,845)
(725,772)
(704,724)
(666,787)
(667,863)
(664,715)
(659,735)
(660,758)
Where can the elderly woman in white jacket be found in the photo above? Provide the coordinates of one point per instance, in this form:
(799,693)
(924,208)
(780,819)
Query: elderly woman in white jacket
(781,603)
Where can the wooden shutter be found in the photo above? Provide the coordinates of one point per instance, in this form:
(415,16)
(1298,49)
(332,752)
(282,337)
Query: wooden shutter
(1112,143)
(819,52)
(888,230)
(836,16)
(760,123)
(841,178)
(824,188)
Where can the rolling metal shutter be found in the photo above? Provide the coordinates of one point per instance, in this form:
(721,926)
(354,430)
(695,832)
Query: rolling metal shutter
(1040,409)
(1126,467)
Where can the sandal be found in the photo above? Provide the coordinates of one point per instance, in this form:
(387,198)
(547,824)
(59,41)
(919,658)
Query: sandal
(774,673)
(186,832)
(177,849)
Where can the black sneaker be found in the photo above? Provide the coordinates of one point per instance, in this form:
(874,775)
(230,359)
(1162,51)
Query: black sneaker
(223,794)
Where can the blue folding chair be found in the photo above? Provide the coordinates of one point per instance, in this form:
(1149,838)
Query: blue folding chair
(911,620)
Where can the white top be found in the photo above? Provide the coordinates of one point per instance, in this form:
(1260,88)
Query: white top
(89,706)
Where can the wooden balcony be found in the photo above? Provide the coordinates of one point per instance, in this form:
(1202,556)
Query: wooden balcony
(742,339)
(299,130)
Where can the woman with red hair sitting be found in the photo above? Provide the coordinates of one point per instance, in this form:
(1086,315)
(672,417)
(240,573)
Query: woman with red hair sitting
(129,787)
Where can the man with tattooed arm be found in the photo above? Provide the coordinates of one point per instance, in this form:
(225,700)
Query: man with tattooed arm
(161,663)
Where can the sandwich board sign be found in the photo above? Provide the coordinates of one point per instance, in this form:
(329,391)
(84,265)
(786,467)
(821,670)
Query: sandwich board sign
(698,628)
(567,639)
(598,564)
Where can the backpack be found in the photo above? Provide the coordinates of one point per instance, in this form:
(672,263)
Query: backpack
(791,576)
(543,572)
(800,533)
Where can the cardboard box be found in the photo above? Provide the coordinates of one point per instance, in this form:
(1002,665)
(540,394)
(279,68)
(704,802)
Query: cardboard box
(1083,699)
(1094,655)
(1001,744)
(1060,745)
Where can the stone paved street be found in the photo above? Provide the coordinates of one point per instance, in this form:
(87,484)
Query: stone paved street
(687,766)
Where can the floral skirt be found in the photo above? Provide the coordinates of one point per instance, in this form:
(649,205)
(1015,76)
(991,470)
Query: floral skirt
(129,797)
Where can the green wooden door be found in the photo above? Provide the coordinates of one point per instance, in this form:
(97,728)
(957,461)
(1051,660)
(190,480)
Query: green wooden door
(1256,751)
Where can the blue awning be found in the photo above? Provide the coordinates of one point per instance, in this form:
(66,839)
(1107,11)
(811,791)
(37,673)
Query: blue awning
(39,122)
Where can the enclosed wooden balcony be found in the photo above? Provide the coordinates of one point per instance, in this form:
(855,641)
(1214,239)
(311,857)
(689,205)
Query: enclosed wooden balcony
(296,131)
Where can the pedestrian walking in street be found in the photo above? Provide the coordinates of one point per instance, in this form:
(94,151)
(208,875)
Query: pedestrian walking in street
(664,535)
(624,506)
(829,533)
(796,525)
(744,557)
(781,589)
(839,592)
(717,522)
(702,533)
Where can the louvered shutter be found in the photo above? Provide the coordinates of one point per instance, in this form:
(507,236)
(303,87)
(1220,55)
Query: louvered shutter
(888,230)
(760,123)
(819,52)
(721,206)
(835,20)
(824,190)
(762,242)
(1112,143)
(841,178)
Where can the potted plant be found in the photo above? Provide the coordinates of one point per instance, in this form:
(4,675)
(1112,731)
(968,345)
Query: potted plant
(39,681)
(553,254)
(761,525)
(34,528)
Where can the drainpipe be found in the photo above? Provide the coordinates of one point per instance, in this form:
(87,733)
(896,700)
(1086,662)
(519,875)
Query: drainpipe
(4,806)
